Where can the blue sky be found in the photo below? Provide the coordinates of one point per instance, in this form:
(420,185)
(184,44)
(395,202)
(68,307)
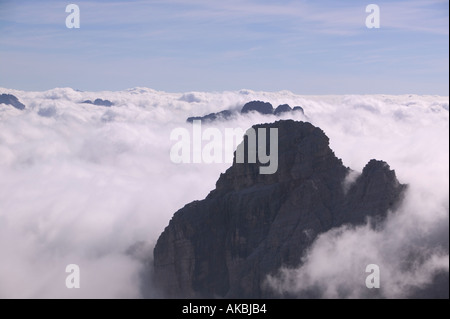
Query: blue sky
(307,47)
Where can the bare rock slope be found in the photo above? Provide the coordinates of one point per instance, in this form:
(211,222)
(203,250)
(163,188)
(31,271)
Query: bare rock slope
(252,224)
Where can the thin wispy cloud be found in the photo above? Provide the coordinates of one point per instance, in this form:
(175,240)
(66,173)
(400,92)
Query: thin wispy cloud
(227,37)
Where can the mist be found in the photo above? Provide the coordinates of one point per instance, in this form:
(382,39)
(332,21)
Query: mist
(95,186)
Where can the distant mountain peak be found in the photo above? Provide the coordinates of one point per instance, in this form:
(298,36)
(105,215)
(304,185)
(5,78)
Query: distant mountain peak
(99,102)
(10,99)
(260,107)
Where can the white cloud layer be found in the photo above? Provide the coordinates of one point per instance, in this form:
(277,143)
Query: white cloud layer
(95,186)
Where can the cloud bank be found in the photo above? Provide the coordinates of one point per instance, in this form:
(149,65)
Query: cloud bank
(95,186)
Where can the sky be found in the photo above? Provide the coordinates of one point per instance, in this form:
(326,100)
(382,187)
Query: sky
(95,186)
(307,47)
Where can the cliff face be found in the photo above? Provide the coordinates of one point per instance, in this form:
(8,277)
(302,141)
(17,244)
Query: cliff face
(252,224)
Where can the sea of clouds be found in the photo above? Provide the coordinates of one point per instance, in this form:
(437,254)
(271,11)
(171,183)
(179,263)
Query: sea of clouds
(95,186)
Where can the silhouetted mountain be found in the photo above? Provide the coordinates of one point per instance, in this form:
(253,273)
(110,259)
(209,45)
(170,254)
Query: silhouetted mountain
(211,117)
(99,102)
(282,109)
(10,99)
(255,106)
(252,224)
(258,106)
(298,108)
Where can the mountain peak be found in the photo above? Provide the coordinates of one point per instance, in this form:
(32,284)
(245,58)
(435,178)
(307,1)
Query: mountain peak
(302,150)
(10,99)
(252,224)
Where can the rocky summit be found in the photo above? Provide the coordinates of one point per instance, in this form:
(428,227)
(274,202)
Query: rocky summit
(260,107)
(10,99)
(257,106)
(99,102)
(252,224)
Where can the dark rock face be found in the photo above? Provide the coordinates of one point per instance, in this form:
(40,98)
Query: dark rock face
(299,109)
(211,117)
(100,102)
(10,99)
(252,224)
(258,106)
(282,109)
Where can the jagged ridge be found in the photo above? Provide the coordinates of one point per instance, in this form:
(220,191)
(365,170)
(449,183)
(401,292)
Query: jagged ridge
(252,224)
